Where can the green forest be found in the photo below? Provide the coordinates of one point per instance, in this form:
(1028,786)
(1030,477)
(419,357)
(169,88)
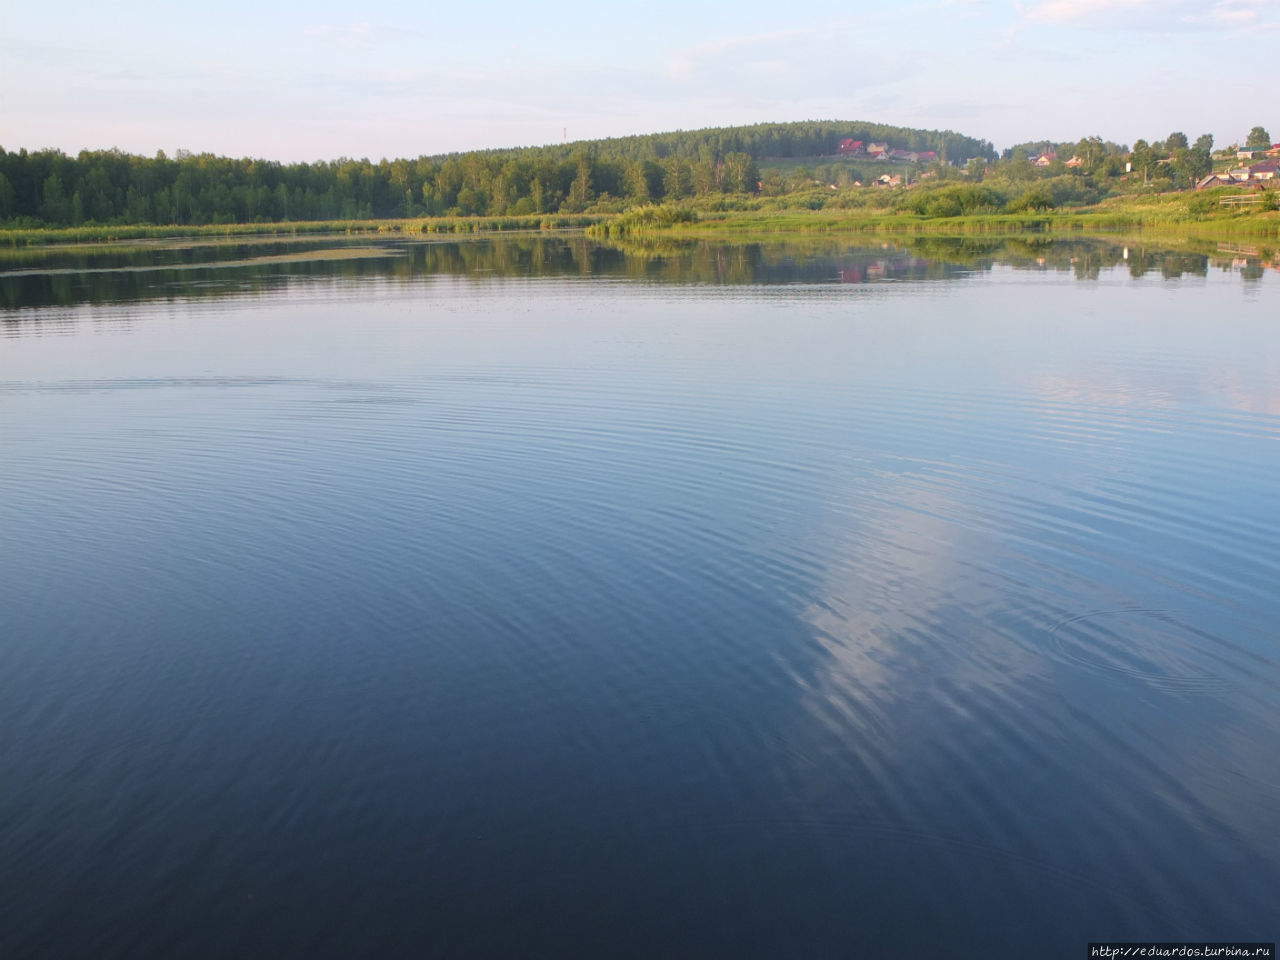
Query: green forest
(108,187)
(658,179)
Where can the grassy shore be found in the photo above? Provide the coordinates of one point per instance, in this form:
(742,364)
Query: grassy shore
(762,225)
(1170,216)
(411,227)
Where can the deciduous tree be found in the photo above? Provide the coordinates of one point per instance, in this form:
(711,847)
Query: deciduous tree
(1258,137)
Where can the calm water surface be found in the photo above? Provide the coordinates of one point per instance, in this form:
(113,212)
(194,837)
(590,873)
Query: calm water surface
(537,598)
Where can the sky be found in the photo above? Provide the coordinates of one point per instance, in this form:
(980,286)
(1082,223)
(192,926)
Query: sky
(321,80)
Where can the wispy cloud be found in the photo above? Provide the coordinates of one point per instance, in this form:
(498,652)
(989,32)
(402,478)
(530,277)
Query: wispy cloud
(1083,11)
(687,63)
(1251,14)
(1153,16)
(359,34)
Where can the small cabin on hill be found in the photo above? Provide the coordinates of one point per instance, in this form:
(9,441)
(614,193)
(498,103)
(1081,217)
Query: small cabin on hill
(1045,159)
(1217,180)
(851,146)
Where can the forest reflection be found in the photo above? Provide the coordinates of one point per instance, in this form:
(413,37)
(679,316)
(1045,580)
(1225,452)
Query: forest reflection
(54,276)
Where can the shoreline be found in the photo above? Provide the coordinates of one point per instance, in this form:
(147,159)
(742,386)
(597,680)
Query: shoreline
(734,226)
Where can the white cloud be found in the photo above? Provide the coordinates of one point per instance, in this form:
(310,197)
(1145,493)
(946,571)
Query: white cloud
(687,63)
(1243,13)
(1081,11)
(360,34)
(1152,16)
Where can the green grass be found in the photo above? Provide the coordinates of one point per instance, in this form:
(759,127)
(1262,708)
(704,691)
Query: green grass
(1139,218)
(644,219)
(1171,214)
(412,227)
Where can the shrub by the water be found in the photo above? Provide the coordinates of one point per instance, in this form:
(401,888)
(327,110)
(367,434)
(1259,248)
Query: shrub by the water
(1038,199)
(645,218)
(957,200)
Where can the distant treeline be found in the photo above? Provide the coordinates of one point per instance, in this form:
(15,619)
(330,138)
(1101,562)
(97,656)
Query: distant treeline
(47,187)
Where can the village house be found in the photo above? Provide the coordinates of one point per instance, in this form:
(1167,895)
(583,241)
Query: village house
(1216,180)
(883,152)
(1263,171)
(1266,170)
(1045,159)
(1075,162)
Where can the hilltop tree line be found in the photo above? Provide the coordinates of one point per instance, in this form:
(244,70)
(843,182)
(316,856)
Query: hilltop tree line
(111,187)
(761,141)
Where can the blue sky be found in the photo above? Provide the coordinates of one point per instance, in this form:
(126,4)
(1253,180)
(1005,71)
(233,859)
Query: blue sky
(321,80)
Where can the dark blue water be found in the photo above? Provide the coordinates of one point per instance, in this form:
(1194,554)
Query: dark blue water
(536,598)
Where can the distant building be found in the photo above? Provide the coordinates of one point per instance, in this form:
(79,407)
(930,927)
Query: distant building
(1266,170)
(1248,153)
(1216,180)
(1075,162)
(1045,159)
(884,152)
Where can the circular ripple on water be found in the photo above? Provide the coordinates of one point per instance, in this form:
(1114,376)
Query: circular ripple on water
(1145,644)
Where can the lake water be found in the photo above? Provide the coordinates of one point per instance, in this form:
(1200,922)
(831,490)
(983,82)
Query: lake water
(532,597)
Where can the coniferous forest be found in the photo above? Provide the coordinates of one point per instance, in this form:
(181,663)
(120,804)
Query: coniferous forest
(49,188)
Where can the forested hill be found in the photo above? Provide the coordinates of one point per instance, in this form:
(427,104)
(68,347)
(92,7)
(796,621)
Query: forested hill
(810,138)
(109,187)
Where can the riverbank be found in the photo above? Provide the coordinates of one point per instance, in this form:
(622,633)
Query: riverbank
(1170,217)
(1130,219)
(417,226)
